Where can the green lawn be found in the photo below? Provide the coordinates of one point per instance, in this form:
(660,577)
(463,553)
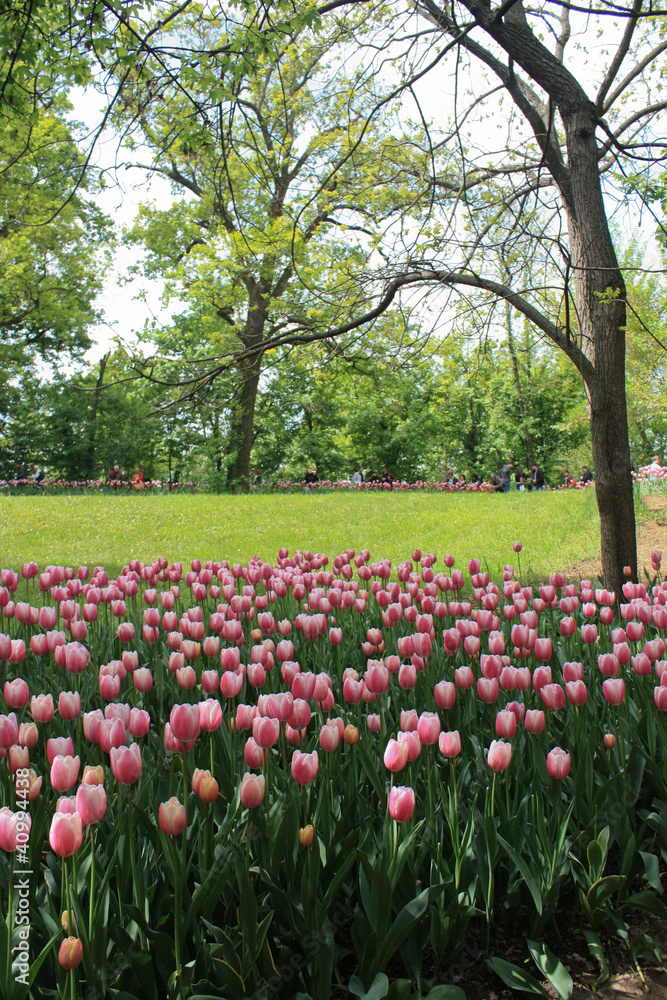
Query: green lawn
(557,529)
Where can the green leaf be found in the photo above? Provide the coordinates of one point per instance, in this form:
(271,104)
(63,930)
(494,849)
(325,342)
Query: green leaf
(652,867)
(525,873)
(603,889)
(597,951)
(551,969)
(444,992)
(648,901)
(514,977)
(379,988)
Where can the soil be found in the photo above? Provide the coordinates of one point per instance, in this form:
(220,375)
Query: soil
(651,534)
(479,982)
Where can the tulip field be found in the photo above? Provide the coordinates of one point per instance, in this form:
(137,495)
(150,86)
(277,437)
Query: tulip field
(325,776)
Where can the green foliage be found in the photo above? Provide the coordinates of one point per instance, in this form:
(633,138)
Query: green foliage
(53,248)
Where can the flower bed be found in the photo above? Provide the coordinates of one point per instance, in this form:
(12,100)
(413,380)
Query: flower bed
(287,779)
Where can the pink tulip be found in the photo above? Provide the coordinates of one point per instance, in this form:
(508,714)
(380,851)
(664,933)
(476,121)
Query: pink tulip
(69,705)
(14,829)
(266,731)
(428,728)
(330,736)
(186,678)
(64,772)
(304,767)
(172,817)
(18,757)
(558,763)
(142,679)
(210,715)
(445,694)
(464,678)
(91,803)
(506,724)
(660,697)
(541,677)
(499,755)
(395,756)
(576,692)
(66,833)
(488,690)
(91,723)
(126,763)
(41,708)
(534,721)
(553,696)
(401,803)
(409,720)
(231,683)
(254,755)
(28,734)
(253,787)
(63,745)
(609,741)
(9,730)
(543,650)
(589,634)
(450,743)
(111,734)
(614,690)
(413,743)
(130,660)
(373,722)
(300,714)
(140,723)
(184,722)
(16,693)
(608,665)
(573,671)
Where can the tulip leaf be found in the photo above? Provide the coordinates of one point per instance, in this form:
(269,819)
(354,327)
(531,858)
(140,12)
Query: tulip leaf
(405,921)
(514,977)
(551,969)
(648,901)
(379,988)
(652,867)
(597,951)
(525,873)
(445,992)
(371,771)
(601,890)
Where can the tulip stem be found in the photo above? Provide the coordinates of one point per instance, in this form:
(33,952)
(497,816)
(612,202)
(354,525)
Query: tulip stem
(10,921)
(91,896)
(177,918)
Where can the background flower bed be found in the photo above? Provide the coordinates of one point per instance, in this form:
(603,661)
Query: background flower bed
(238,902)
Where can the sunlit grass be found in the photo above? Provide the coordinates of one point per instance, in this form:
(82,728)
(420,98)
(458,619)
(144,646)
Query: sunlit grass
(558,530)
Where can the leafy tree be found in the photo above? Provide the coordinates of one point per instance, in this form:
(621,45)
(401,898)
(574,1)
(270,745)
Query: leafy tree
(52,255)
(259,254)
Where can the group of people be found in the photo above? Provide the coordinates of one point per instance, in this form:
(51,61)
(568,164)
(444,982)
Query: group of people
(385,478)
(21,473)
(117,478)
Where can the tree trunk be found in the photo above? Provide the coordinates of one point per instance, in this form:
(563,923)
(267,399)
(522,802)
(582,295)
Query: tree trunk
(599,293)
(243,416)
(517,385)
(92,425)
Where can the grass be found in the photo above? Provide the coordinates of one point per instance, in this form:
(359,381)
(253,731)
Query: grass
(558,530)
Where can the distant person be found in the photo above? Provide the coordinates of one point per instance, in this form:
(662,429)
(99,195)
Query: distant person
(497,485)
(538,477)
(358,478)
(386,478)
(257,481)
(505,476)
(310,477)
(138,479)
(20,471)
(462,479)
(654,469)
(520,479)
(568,478)
(37,475)
(586,475)
(474,479)
(373,479)
(115,476)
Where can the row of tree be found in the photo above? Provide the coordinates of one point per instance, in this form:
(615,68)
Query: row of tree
(470,407)
(315,203)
